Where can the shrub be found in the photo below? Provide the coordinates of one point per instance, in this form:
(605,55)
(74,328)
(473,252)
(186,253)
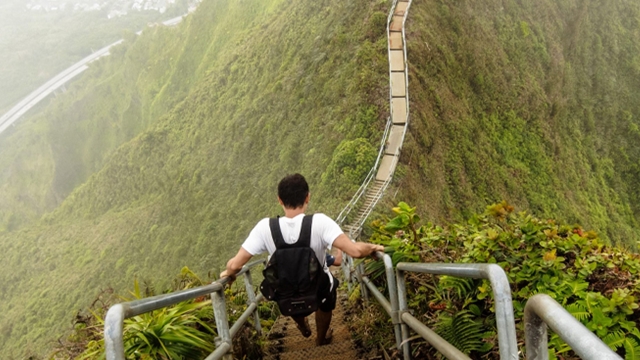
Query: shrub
(596,283)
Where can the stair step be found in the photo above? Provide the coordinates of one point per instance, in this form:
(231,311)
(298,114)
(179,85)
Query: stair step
(288,343)
(339,351)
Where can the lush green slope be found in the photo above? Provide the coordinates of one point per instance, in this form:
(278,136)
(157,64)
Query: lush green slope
(534,102)
(238,96)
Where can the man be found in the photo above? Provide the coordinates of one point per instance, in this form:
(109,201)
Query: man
(293,196)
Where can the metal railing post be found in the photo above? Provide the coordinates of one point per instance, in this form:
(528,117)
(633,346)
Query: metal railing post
(393,295)
(403,307)
(113,327)
(508,343)
(222,322)
(541,310)
(346,270)
(363,289)
(251,299)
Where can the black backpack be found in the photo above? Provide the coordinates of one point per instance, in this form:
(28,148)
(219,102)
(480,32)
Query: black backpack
(292,273)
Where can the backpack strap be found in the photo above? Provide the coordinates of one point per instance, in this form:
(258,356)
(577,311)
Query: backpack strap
(304,240)
(276,233)
(305,232)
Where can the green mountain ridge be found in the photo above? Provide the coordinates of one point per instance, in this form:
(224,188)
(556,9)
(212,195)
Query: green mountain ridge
(185,191)
(535,103)
(168,152)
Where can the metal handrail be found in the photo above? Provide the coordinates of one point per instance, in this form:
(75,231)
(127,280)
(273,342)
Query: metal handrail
(396,306)
(505,321)
(114,320)
(541,310)
(393,303)
(406,72)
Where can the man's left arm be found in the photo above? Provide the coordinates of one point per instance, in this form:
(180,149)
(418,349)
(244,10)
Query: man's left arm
(235,264)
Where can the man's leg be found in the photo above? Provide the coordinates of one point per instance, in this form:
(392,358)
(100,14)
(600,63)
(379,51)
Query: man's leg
(323,321)
(326,303)
(303,325)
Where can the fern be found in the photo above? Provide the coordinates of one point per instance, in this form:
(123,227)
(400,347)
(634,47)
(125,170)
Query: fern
(375,269)
(462,286)
(632,349)
(462,331)
(578,311)
(614,340)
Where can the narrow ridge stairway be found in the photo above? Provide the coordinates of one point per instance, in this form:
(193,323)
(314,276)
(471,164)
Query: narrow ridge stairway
(287,343)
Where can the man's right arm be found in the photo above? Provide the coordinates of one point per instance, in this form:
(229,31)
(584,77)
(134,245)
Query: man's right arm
(355,249)
(235,264)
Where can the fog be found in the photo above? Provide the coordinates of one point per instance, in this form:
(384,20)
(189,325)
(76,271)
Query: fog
(41,38)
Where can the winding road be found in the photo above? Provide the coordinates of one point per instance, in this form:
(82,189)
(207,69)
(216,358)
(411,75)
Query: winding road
(26,104)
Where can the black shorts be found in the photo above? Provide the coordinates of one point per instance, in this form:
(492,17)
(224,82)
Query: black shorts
(326,294)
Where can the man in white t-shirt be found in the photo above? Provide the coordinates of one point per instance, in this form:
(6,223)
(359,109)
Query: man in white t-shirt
(293,196)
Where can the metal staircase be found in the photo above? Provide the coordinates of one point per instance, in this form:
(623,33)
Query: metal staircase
(372,196)
(372,189)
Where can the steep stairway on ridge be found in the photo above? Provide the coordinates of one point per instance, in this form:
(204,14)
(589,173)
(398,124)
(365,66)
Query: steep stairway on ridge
(286,340)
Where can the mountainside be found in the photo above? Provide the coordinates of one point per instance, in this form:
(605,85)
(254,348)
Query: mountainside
(536,102)
(169,151)
(41,164)
(236,97)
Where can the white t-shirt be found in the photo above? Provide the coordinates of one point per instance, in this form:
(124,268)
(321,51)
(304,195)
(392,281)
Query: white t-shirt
(323,232)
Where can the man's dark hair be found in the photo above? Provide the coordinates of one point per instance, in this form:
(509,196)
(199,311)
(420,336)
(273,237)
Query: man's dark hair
(293,191)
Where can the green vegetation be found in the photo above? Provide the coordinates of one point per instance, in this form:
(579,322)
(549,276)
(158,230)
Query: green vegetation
(44,161)
(596,283)
(183,331)
(167,153)
(171,149)
(536,102)
(170,333)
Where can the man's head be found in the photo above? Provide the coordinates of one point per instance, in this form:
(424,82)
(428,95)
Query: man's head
(293,191)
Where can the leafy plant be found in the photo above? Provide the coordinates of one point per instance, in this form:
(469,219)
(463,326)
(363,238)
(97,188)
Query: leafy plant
(594,282)
(464,331)
(170,333)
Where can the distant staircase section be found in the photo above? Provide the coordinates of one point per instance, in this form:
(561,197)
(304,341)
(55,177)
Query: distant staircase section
(367,197)
(371,197)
